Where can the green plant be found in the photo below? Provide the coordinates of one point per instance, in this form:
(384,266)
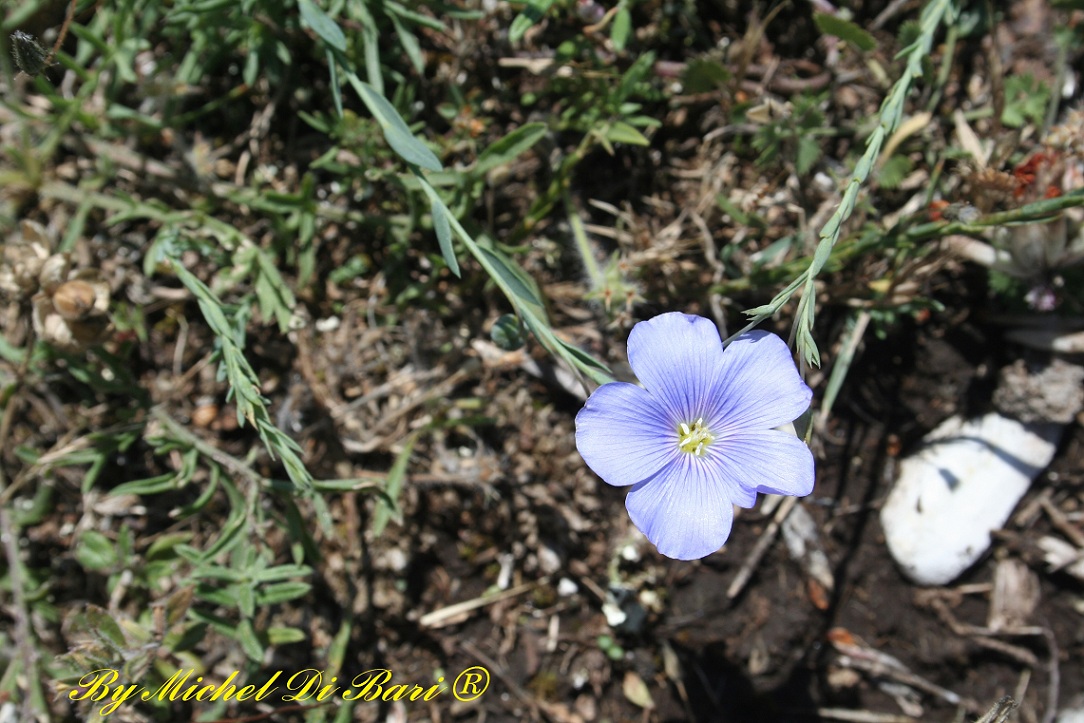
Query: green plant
(1026,101)
(792,132)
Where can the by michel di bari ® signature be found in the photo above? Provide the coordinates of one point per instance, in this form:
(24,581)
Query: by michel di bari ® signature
(310,684)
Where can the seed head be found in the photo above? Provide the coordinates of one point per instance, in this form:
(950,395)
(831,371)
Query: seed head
(29,55)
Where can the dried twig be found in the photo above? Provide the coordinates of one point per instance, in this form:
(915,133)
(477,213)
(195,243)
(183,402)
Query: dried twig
(760,548)
(457,612)
(862,716)
(1060,521)
(882,665)
(984,636)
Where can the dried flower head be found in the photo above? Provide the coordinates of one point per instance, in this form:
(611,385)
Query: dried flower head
(1069,136)
(75,316)
(74,300)
(24,257)
(70,309)
(30,56)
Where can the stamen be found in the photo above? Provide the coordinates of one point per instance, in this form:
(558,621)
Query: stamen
(694,439)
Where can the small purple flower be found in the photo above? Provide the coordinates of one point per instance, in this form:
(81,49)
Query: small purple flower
(699,437)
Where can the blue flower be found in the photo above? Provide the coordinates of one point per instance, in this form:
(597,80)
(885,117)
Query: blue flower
(699,437)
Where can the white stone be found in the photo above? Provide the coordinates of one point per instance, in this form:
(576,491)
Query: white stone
(615,616)
(567,587)
(331,323)
(1071,715)
(958,488)
(549,561)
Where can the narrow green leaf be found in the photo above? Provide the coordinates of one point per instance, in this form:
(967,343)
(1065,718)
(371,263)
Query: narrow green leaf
(226,597)
(518,287)
(205,496)
(853,332)
(95,551)
(444,235)
(211,571)
(809,152)
(234,525)
(619,33)
(730,208)
(12,354)
(281,592)
(503,268)
(370,39)
(635,75)
(830,24)
(336,91)
(336,652)
(285,636)
(281,572)
(575,357)
(586,360)
(163,547)
(394,8)
(92,474)
(148,486)
(535,11)
(216,622)
(322,24)
(621,132)
(409,42)
(276,300)
(510,147)
(249,642)
(393,487)
(395,128)
(808,348)
(244,595)
(104,627)
(352,484)
(765,310)
(92,37)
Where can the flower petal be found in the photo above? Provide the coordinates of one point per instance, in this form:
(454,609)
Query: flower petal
(623,435)
(760,387)
(766,460)
(685,510)
(678,358)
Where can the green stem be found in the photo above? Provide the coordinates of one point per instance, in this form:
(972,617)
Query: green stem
(891,114)
(583,245)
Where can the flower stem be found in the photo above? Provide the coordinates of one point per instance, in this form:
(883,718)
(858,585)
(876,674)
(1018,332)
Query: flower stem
(933,16)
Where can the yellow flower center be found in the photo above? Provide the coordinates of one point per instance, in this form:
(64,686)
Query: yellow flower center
(694,438)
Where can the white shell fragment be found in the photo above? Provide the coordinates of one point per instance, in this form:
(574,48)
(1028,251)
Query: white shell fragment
(1071,715)
(957,489)
(1060,555)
